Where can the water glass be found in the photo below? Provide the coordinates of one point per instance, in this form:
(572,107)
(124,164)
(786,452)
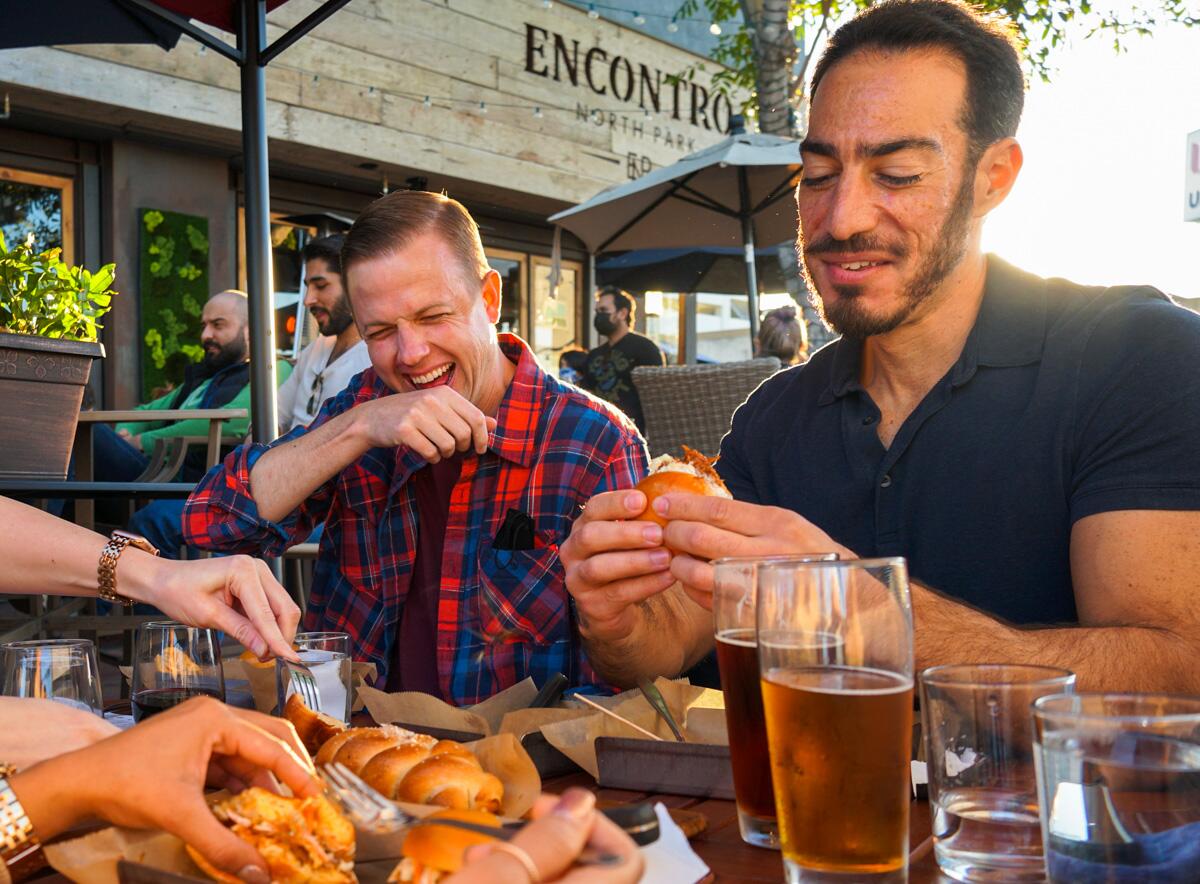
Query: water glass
(173,663)
(1119,781)
(979,750)
(735,592)
(327,654)
(835,653)
(62,669)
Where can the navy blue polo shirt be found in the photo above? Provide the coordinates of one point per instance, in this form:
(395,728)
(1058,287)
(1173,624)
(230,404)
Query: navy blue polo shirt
(1066,401)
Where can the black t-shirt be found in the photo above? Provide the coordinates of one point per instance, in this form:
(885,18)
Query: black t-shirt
(1065,402)
(609,372)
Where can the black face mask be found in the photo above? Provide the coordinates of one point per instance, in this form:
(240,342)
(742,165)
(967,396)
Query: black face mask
(604,324)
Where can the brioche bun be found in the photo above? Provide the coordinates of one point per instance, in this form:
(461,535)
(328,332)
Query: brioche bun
(691,474)
(430,851)
(314,729)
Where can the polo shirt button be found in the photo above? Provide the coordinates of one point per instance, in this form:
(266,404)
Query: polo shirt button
(868,420)
(886,483)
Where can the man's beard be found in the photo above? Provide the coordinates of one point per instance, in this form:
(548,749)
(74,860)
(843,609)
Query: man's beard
(230,354)
(846,315)
(338,318)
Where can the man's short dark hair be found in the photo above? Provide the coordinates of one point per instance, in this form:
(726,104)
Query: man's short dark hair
(621,300)
(327,249)
(987,47)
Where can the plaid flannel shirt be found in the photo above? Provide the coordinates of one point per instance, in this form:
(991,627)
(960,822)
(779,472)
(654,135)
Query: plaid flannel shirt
(502,614)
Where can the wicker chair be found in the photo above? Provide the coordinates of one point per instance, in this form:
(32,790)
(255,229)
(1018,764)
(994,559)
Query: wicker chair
(692,404)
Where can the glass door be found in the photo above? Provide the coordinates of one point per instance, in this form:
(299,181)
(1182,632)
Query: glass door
(513,268)
(42,205)
(555,313)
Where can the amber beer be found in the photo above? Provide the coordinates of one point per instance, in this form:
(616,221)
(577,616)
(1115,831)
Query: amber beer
(839,740)
(737,658)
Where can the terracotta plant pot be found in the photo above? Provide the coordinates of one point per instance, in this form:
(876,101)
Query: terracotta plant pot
(41,388)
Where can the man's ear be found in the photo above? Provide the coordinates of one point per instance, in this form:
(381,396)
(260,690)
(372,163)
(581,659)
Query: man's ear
(996,174)
(491,296)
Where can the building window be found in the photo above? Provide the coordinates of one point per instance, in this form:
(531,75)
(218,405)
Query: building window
(43,205)
(513,268)
(555,315)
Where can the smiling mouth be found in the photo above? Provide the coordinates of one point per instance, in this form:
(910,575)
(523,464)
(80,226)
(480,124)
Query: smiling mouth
(435,378)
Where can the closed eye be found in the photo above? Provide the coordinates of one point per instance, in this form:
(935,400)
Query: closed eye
(816,180)
(899,180)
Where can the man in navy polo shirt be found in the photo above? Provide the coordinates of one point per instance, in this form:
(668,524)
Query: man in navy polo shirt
(1029,445)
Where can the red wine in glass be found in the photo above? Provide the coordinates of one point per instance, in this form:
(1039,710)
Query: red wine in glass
(151,702)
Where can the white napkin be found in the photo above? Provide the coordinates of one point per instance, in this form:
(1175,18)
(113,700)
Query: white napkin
(670,859)
(124,722)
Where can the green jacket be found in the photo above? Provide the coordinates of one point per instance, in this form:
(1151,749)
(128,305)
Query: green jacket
(201,397)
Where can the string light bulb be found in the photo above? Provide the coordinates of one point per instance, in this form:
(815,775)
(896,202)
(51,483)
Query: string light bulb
(638,18)
(537,113)
(427,104)
(483,107)
(592,13)
(714,29)
(672,26)
(547,4)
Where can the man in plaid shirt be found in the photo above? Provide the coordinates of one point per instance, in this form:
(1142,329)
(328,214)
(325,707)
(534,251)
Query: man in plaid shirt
(446,475)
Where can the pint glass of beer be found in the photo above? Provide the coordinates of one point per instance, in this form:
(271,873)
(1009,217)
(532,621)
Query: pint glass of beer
(734,595)
(836,662)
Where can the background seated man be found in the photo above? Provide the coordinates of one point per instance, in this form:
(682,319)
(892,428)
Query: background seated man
(323,368)
(446,475)
(220,380)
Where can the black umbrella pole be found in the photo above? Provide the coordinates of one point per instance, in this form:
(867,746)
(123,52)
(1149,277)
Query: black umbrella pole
(258,222)
(748,248)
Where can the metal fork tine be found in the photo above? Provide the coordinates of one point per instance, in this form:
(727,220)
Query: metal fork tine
(363,790)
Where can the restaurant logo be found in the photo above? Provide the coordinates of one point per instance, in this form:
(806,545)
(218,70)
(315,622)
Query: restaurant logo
(616,79)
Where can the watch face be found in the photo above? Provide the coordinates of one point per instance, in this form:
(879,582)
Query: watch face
(137,540)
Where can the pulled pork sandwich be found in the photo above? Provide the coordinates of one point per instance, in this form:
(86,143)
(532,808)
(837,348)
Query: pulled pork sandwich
(302,839)
(691,474)
(431,852)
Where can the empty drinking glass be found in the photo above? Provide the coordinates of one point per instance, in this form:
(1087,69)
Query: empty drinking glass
(1119,782)
(327,655)
(62,669)
(979,750)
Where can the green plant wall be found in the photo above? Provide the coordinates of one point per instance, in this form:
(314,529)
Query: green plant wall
(173,276)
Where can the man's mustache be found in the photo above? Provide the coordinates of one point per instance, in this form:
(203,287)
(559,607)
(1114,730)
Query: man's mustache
(860,242)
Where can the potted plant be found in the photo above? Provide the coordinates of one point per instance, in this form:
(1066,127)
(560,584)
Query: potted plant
(48,325)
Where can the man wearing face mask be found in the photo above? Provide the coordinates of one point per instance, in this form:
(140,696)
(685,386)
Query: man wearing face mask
(609,370)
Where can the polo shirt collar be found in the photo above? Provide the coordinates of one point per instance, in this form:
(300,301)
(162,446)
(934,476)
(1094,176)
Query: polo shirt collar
(521,408)
(1009,331)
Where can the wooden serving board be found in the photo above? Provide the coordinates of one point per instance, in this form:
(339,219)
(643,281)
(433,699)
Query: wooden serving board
(674,768)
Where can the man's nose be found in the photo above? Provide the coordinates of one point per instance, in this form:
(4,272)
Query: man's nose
(310,297)
(411,346)
(851,208)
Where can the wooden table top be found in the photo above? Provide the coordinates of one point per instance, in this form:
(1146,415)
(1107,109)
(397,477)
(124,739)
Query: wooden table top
(721,845)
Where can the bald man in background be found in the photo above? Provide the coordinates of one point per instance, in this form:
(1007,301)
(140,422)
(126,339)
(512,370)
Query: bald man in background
(220,380)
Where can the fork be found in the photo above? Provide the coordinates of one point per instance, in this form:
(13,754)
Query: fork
(306,685)
(370,810)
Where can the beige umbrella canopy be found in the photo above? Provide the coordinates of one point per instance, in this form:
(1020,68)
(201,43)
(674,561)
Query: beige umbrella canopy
(732,193)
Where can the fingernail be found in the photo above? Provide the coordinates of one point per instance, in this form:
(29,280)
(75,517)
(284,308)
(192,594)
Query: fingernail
(575,804)
(661,505)
(254,875)
(632,502)
(660,557)
(653,534)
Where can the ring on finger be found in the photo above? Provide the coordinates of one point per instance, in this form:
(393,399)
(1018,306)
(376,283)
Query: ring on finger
(520,856)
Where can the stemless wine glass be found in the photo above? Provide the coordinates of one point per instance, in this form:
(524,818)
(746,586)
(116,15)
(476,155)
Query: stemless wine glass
(327,655)
(62,669)
(172,663)
(734,593)
(836,659)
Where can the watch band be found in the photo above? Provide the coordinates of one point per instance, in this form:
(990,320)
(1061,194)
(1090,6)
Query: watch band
(106,569)
(20,849)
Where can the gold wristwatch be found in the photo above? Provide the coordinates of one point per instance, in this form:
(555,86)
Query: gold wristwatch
(106,570)
(20,849)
